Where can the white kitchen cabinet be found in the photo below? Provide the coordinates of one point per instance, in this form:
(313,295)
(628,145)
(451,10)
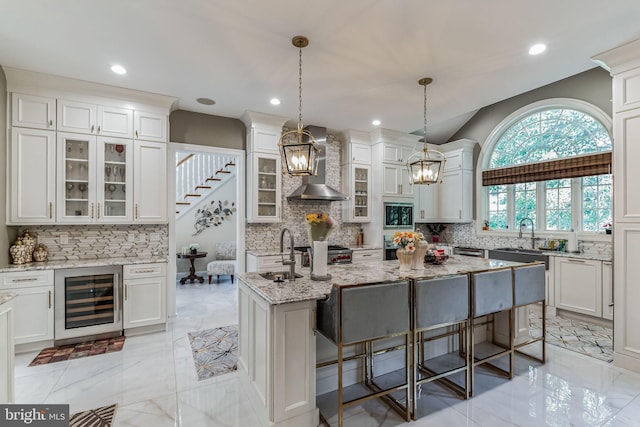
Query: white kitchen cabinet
(7,375)
(263,187)
(356,182)
(396,181)
(607,290)
(144,300)
(32,177)
(427,203)
(33,304)
(149,182)
(93,174)
(282,387)
(35,112)
(456,196)
(365,255)
(578,285)
(397,154)
(265,263)
(150,126)
(76,117)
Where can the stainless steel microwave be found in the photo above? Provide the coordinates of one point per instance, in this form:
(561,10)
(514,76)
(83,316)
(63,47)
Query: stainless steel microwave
(398,215)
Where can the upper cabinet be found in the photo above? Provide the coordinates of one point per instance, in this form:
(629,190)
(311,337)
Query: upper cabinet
(356,176)
(72,156)
(391,150)
(451,200)
(264,168)
(35,112)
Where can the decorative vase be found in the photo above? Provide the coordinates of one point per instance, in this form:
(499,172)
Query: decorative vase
(40,253)
(30,244)
(608,231)
(405,258)
(418,255)
(193,251)
(18,252)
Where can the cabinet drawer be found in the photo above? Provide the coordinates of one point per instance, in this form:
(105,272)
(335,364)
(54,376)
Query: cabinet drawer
(135,271)
(367,255)
(271,262)
(26,279)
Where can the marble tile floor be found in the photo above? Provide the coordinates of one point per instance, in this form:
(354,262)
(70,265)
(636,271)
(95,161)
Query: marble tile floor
(153,381)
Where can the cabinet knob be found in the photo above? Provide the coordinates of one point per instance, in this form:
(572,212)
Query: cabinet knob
(50,210)
(136,134)
(137,212)
(92,128)
(98,129)
(50,122)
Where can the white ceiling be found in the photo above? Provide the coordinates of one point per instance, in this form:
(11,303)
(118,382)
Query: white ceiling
(363,61)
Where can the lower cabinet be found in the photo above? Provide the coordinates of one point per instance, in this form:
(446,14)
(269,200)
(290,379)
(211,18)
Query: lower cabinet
(32,306)
(264,263)
(607,290)
(277,351)
(364,255)
(578,285)
(144,295)
(6,353)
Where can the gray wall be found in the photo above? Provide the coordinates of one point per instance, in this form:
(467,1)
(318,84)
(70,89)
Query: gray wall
(204,129)
(4,232)
(593,86)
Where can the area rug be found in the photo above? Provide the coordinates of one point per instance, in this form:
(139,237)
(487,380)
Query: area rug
(575,335)
(76,351)
(99,417)
(215,351)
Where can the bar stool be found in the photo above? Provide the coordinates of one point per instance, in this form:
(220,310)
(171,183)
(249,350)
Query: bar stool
(529,288)
(491,295)
(362,314)
(441,311)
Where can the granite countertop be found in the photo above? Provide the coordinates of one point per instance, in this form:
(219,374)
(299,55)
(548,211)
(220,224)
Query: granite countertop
(268,252)
(365,247)
(595,257)
(6,297)
(304,289)
(56,265)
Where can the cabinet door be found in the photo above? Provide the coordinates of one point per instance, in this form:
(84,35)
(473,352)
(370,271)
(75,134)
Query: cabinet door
(33,177)
(36,112)
(76,178)
(114,121)
(76,117)
(358,207)
(361,154)
(7,350)
(578,285)
(150,182)
(406,189)
(391,178)
(149,126)
(607,290)
(451,197)
(144,302)
(113,177)
(263,189)
(427,202)
(33,314)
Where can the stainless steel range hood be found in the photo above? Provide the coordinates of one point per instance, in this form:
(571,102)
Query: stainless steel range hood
(315,187)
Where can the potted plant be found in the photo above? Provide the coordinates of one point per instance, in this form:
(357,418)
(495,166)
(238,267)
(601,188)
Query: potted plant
(436,229)
(608,227)
(193,248)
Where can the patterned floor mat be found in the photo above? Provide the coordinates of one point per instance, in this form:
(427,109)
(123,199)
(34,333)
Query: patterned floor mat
(576,335)
(99,417)
(76,351)
(215,351)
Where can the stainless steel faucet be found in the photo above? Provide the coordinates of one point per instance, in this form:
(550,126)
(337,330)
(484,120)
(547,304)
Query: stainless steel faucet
(292,258)
(533,236)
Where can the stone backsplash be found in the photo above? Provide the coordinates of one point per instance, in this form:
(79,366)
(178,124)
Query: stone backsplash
(101,241)
(267,236)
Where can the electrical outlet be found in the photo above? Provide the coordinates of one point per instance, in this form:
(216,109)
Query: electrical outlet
(131,238)
(64,239)
(143,237)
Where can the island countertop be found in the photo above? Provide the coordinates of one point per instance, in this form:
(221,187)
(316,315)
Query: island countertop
(304,289)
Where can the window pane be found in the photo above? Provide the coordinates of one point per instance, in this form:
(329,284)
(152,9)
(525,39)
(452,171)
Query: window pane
(558,204)
(525,199)
(596,202)
(498,207)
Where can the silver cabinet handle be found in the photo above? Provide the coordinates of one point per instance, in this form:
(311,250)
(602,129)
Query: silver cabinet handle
(49,299)
(125,292)
(581,261)
(92,128)
(91,210)
(610,304)
(137,212)
(143,271)
(50,210)
(98,210)
(50,122)
(364,255)
(98,129)
(136,134)
(28,279)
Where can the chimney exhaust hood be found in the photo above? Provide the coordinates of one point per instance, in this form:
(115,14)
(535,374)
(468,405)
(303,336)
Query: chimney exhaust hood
(315,187)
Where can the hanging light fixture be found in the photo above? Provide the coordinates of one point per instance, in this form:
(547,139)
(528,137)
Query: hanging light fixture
(425,167)
(298,148)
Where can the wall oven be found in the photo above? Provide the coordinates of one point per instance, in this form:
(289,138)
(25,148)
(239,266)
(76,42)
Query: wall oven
(87,303)
(398,215)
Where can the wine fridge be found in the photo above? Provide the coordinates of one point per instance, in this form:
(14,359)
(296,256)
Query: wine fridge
(87,303)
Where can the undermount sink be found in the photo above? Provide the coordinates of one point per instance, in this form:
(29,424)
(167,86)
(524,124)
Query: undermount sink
(519,255)
(278,276)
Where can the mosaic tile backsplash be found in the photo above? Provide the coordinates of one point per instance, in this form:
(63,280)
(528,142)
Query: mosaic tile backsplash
(267,236)
(101,241)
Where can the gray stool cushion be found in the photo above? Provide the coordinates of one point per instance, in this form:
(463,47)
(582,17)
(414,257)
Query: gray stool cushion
(442,300)
(492,291)
(528,284)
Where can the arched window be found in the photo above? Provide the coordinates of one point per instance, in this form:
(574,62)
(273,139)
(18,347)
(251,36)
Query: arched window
(543,132)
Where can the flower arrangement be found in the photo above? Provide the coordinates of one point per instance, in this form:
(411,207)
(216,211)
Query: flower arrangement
(320,226)
(407,239)
(607,227)
(193,247)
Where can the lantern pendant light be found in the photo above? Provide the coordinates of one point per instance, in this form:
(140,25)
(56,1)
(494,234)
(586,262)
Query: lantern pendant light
(425,167)
(298,148)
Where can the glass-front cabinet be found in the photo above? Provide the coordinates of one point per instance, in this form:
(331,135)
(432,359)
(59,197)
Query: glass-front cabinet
(358,186)
(265,181)
(92,178)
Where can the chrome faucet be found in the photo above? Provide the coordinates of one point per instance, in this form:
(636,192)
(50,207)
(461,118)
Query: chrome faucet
(292,258)
(533,236)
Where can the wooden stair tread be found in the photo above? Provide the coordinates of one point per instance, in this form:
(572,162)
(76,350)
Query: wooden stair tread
(213,179)
(205,187)
(222,171)
(229,164)
(193,195)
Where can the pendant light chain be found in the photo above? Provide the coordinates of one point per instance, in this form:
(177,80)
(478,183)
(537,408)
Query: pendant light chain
(299,90)
(426,151)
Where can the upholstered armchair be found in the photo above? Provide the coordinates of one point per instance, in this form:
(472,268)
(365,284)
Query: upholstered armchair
(225,262)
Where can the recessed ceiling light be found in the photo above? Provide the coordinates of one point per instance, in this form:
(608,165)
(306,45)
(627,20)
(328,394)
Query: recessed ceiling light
(118,69)
(205,101)
(376,122)
(537,49)
(274,101)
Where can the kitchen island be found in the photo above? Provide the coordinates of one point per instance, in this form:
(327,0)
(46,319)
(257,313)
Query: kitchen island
(277,335)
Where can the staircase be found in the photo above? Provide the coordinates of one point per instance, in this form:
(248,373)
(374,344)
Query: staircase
(197,175)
